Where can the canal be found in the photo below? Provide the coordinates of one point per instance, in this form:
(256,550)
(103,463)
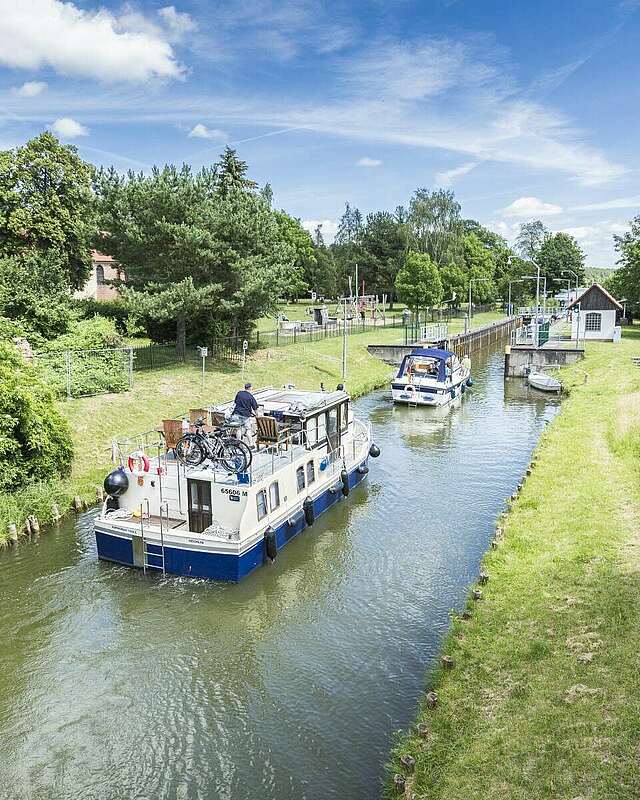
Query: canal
(287,686)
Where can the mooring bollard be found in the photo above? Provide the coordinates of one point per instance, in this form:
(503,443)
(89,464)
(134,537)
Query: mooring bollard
(423,730)
(432,700)
(408,762)
(55,512)
(476,594)
(27,526)
(447,662)
(77,503)
(483,578)
(466,614)
(13,533)
(399,782)
(35,525)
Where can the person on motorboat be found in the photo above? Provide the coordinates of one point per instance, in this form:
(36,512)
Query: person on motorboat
(245,409)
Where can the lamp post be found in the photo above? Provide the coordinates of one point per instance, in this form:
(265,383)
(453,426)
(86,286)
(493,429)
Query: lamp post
(575,275)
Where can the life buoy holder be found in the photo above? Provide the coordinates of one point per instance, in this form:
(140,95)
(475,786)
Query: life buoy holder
(138,463)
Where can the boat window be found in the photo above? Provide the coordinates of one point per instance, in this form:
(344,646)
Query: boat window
(274,495)
(311,472)
(593,321)
(312,431)
(300,478)
(332,428)
(261,500)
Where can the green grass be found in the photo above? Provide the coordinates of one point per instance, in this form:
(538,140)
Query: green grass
(544,699)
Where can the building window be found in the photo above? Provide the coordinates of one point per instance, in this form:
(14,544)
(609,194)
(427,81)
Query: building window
(311,473)
(274,495)
(99,274)
(593,321)
(300,478)
(261,500)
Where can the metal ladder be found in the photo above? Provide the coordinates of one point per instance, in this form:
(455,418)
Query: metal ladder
(146,553)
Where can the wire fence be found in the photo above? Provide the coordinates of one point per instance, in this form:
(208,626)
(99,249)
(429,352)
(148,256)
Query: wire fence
(83,373)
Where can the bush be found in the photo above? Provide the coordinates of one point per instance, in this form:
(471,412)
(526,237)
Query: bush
(95,366)
(35,441)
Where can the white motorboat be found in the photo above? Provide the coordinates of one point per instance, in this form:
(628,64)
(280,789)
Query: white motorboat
(543,382)
(430,377)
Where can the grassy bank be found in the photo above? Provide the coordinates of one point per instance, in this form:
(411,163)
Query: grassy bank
(543,700)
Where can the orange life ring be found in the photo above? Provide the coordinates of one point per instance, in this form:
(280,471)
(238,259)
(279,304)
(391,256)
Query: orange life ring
(138,463)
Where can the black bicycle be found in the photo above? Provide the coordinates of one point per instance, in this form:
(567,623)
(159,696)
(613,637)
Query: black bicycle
(218,447)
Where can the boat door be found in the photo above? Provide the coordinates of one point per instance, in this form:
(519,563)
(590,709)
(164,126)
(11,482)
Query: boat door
(334,427)
(200,512)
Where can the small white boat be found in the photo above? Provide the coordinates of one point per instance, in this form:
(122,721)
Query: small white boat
(543,382)
(430,377)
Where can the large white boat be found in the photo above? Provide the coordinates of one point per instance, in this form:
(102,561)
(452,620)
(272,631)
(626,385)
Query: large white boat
(203,522)
(430,377)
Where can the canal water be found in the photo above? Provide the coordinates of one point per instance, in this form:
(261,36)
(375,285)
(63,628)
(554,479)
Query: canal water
(290,685)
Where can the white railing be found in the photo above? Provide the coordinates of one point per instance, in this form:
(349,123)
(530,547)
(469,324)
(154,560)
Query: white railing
(434,332)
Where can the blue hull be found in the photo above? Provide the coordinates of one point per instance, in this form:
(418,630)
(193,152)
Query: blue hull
(219,566)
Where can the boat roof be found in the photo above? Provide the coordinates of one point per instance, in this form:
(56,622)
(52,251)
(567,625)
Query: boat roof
(294,401)
(432,352)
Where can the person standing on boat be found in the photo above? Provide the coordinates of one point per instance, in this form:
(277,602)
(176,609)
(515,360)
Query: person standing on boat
(245,407)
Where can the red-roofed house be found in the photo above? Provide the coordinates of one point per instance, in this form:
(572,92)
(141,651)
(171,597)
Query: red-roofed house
(104,268)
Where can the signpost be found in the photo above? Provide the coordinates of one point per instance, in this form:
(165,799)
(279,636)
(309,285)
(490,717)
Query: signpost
(245,347)
(203,352)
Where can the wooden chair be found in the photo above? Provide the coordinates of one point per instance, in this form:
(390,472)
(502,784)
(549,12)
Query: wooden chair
(172,430)
(197,413)
(217,419)
(270,433)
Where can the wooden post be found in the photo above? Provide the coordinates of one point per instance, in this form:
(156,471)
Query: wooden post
(432,700)
(13,533)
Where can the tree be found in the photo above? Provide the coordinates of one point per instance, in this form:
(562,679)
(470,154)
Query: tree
(454,284)
(34,293)
(560,252)
(46,205)
(625,282)
(435,225)
(381,253)
(479,267)
(191,251)
(418,282)
(322,274)
(349,227)
(292,232)
(531,238)
(231,173)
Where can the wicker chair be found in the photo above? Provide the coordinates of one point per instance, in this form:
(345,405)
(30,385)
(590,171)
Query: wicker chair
(172,430)
(270,433)
(217,419)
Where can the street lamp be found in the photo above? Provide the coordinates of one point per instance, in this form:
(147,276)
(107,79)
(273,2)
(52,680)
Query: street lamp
(575,275)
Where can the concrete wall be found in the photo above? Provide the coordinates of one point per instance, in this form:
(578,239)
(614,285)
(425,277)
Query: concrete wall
(518,360)
(391,353)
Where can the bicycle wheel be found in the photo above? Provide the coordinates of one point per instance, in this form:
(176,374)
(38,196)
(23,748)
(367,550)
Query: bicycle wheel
(189,451)
(248,454)
(232,455)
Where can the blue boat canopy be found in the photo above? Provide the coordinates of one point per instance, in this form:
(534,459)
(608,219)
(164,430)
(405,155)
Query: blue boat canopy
(427,352)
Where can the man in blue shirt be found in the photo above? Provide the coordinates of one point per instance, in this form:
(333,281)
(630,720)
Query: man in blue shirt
(245,403)
(244,409)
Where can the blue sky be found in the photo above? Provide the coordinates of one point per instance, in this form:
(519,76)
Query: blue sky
(525,109)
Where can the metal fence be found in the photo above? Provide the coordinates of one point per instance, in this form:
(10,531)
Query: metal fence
(82,373)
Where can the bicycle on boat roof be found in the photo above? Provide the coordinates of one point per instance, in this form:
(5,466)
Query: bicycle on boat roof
(217,446)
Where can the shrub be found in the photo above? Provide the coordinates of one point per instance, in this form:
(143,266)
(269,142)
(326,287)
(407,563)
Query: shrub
(35,441)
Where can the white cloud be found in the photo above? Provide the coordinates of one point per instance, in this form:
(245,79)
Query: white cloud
(30,89)
(447,177)
(368,162)
(73,41)
(68,128)
(201,131)
(531,207)
(178,23)
(606,205)
(328,226)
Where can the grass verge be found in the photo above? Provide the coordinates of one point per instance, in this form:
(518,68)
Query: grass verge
(543,700)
